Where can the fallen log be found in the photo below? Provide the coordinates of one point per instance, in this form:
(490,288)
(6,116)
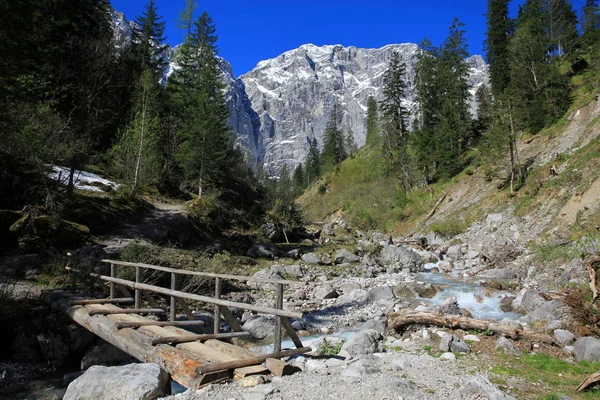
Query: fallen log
(589,381)
(400,320)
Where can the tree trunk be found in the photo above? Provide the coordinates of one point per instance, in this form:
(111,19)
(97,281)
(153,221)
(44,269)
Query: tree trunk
(139,157)
(399,321)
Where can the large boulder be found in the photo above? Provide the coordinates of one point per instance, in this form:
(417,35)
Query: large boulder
(508,346)
(481,386)
(587,349)
(345,256)
(311,258)
(259,327)
(127,382)
(399,258)
(380,293)
(527,300)
(105,354)
(362,343)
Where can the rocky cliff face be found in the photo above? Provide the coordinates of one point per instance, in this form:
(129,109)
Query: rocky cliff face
(292,95)
(283,104)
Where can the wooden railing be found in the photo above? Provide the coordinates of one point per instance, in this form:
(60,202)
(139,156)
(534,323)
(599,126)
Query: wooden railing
(221,306)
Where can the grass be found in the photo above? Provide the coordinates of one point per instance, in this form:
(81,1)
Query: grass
(327,348)
(556,376)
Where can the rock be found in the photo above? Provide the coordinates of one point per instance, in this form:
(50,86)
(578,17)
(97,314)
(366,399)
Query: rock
(479,385)
(451,307)
(549,310)
(427,291)
(401,364)
(508,346)
(527,300)
(54,348)
(380,293)
(494,219)
(446,341)
(19,266)
(454,252)
(105,354)
(471,338)
(554,325)
(259,250)
(405,291)
(311,258)
(506,303)
(345,256)
(399,258)
(266,273)
(448,357)
(458,346)
(465,313)
(299,294)
(472,254)
(378,326)
(252,381)
(565,338)
(127,382)
(298,325)
(315,365)
(587,349)
(294,271)
(362,343)
(426,256)
(259,327)
(325,292)
(326,259)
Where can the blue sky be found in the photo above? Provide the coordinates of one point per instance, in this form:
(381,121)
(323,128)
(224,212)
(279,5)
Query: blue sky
(253,30)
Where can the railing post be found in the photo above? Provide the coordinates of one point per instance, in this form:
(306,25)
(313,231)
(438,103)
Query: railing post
(217,316)
(138,298)
(173,299)
(112,284)
(279,306)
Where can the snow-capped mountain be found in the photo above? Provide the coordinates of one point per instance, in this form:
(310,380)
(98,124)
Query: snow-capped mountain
(294,93)
(283,104)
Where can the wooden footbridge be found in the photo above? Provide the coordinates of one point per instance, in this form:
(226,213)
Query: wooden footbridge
(155,334)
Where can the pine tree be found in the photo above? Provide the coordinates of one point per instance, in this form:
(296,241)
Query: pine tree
(453,131)
(207,140)
(395,121)
(313,163)
(349,143)
(590,22)
(372,121)
(149,41)
(484,110)
(496,44)
(185,21)
(562,26)
(298,179)
(333,139)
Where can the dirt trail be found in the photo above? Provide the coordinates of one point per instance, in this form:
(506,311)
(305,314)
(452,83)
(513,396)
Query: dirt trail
(155,227)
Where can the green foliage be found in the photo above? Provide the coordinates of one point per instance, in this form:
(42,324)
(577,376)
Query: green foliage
(448,228)
(395,121)
(372,122)
(499,29)
(327,348)
(148,39)
(334,150)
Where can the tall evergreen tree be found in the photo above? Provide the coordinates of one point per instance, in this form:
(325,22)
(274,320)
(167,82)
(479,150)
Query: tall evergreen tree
(372,121)
(395,120)
(499,29)
(453,132)
(148,36)
(590,22)
(333,139)
(313,163)
(206,138)
(562,26)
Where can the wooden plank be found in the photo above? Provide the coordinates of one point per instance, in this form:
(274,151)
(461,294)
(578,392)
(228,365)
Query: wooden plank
(208,353)
(240,373)
(186,309)
(180,364)
(217,313)
(279,306)
(128,311)
(291,332)
(208,368)
(231,320)
(199,337)
(205,274)
(280,368)
(231,349)
(121,325)
(195,297)
(588,382)
(84,302)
